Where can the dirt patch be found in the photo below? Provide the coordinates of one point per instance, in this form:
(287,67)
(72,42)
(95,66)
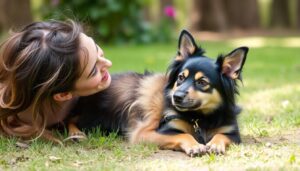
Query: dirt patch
(169,154)
(290,137)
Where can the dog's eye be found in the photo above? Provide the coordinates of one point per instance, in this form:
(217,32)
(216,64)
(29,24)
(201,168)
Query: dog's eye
(202,82)
(180,78)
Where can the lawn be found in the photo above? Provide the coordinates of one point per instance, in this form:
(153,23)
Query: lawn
(270,121)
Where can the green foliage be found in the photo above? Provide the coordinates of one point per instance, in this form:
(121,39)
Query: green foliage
(292,159)
(107,20)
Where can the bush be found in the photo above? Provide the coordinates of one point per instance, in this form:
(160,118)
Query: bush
(108,21)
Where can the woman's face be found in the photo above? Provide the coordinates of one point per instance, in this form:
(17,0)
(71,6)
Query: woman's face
(95,76)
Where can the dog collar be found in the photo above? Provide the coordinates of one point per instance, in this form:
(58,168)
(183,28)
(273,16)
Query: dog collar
(199,133)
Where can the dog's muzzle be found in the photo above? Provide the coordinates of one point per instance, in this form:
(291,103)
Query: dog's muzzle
(183,103)
(179,96)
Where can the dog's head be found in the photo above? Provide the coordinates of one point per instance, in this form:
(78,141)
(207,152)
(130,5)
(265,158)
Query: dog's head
(201,84)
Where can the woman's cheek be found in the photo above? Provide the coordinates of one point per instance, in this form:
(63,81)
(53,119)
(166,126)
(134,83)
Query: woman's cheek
(96,82)
(92,83)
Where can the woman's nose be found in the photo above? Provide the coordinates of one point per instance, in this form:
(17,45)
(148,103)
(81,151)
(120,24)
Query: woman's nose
(108,63)
(104,62)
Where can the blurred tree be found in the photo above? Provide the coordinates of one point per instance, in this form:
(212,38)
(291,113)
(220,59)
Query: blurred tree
(14,14)
(298,14)
(211,15)
(242,14)
(280,14)
(221,15)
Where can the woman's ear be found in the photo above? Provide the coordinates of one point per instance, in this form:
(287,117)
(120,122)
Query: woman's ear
(60,97)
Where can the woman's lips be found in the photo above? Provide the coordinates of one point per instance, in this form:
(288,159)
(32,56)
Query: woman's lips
(105,76)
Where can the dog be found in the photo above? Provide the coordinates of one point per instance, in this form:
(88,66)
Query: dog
(191,108)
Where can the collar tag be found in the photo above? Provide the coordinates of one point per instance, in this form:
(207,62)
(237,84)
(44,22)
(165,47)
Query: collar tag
(195,125)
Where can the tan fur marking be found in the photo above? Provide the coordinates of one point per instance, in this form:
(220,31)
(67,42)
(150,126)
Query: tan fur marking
(186,73)
(192,49)
(206,87)
(151,93)
(183,142)
(198,75)
(220,139)
(177,123)
(152,101)
(224,129)
(181,125)
(124,84)
(209,101)
(73,128)
(174,88)
(221,130)
(178,58)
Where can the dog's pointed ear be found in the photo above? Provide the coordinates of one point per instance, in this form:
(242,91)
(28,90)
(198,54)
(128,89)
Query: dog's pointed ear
(186,45)
(233,63)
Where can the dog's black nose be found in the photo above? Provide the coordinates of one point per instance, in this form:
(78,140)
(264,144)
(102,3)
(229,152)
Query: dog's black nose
(179,96)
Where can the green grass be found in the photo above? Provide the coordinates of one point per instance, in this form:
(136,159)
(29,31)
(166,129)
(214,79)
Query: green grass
(270,121)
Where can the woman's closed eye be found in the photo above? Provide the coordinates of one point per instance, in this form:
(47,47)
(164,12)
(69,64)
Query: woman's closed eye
(94,72)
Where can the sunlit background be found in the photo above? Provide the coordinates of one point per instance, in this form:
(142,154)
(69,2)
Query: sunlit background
(150,21)
(142,34)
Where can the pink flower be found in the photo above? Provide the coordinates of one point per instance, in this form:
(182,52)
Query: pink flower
(169,11)
(55,2)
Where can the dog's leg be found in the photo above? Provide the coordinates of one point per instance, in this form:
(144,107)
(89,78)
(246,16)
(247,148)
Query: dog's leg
(47,135)
(146,132)
(74,133)
(184,142)
(218,143)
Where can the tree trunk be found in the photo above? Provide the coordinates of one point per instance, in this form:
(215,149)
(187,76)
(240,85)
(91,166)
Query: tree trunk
(280,14)
(212,15)
(220,15)
(242,14)
(298,14)
(14,14)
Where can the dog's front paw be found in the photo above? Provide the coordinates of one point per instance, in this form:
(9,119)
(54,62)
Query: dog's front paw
(218,144)
(216,147)
(195,150)
(77,136)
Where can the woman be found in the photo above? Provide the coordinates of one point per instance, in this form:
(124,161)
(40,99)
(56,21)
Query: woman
(44,68)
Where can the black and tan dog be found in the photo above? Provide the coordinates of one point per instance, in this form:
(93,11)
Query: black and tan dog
(191,108)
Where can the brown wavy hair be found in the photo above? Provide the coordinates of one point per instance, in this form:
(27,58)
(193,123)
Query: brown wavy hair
(35,63)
